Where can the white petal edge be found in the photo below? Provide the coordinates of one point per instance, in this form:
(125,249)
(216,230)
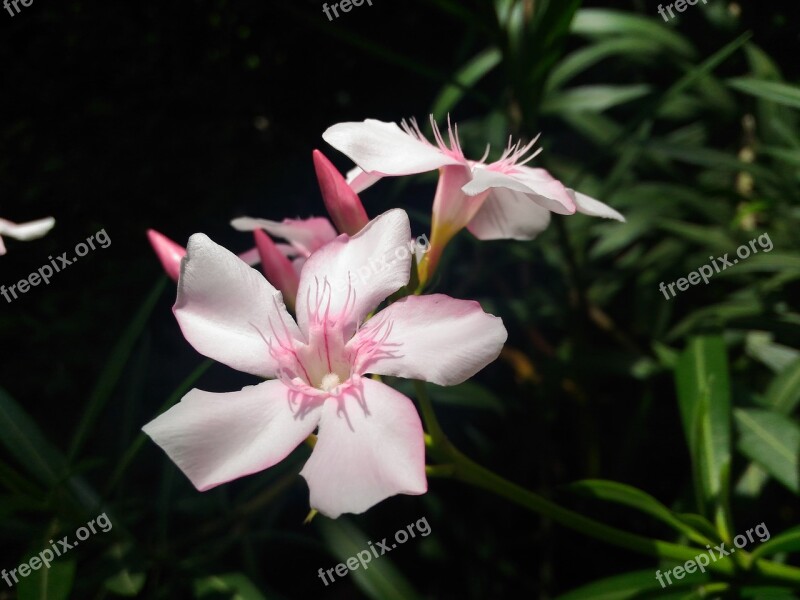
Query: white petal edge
(216,438)
(360,180)
(594,208)
(27,231)
(509,215)
(228,311)
(549,194)
(307,235)
(433,338)
(385,149)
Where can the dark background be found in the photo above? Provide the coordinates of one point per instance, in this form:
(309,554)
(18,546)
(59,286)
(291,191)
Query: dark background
(181,116)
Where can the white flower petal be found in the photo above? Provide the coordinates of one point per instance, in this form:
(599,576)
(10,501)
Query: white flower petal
(356,273)
(216,438)
(550,194)
(27,231)
(307,235)
(382,148)
(360,180)
(594,208)
(368,449)
(434,338)
(228,311)
(509,215)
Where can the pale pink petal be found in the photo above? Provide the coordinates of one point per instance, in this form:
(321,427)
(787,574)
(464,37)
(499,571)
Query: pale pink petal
(385,149)
(369,448)
(215,438)
(27,231)
(168,252)
(349,277)
(509,215)
(434,338)
(360,180)
(251,257)
(298,263)
(228,311)
(594,208)
(452,208)
(2,247)
(306,235)
(551,194)
(343,204)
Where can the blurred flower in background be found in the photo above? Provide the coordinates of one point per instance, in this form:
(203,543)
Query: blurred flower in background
(24,231)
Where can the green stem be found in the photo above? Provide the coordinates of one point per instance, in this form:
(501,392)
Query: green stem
(470,472)
(464,469)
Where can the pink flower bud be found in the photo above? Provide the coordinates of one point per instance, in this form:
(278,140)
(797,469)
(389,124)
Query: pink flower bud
(343,204)
(277,268)
(169,253)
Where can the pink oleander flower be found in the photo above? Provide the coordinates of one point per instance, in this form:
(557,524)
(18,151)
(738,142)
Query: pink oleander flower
(24,231)
(282,263)
(370,440)
(504,199)
(171,253)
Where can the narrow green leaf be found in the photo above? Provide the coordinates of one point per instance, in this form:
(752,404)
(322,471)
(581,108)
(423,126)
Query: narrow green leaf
(788,542)
(773,441)
(466,77)
(760,345)
(709,237)
(709,158)
(700,524)
(25,441)
(125,583)
(574,64)
(236,586)
(790,156)
(381,580)
(593,98)
(114,368)
(705,404)
(766,593)
(619,493)
(761,64)
(597,127)
(783,393)
(54,583)
(781,93)
(629,586)
(595,22)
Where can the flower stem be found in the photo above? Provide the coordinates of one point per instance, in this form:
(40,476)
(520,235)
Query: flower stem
(470,472)
(460,467)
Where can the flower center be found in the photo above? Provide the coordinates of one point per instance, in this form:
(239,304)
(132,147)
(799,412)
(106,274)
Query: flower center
(329,381)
